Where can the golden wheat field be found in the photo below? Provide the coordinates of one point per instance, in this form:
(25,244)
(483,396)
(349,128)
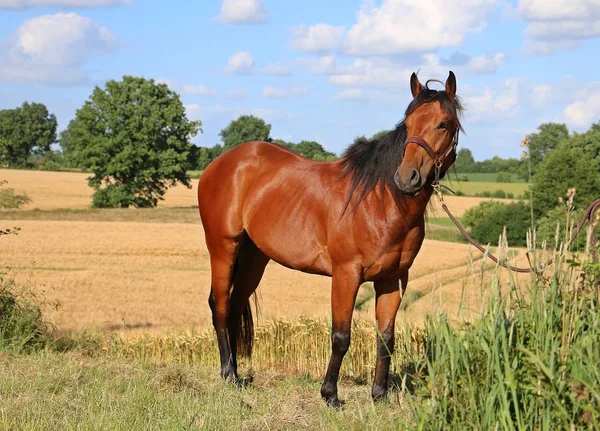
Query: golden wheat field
(153,275)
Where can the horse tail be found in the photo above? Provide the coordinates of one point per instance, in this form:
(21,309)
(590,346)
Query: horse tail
(241,326)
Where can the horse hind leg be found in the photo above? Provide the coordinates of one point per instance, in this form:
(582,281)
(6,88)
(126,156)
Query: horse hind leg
(250,267)
(223,265)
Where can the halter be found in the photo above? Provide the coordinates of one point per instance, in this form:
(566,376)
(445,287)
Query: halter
(437,160)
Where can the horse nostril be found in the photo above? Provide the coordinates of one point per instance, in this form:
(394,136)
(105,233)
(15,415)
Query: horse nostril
(415,178)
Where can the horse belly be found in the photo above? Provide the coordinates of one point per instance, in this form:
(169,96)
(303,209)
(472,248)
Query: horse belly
(291,241)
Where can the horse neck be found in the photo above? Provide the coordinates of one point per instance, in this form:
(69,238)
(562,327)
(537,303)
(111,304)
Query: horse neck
(410,209)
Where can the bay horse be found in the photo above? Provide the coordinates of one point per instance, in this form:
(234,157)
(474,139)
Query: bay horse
(356,219)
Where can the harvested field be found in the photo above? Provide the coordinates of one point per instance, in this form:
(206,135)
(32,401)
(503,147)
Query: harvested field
(54,190)
(155,276)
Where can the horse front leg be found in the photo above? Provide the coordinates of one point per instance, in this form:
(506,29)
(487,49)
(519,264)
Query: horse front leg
(387,301)
(344,287)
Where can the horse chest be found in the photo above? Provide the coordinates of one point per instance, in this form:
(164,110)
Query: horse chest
(395,259)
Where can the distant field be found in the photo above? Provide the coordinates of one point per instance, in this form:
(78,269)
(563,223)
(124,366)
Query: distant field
(485,178)
(471,188)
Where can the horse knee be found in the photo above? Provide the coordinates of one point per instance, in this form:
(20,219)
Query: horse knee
(340,342)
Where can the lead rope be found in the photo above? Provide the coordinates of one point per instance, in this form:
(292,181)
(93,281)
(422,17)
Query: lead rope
(588,217)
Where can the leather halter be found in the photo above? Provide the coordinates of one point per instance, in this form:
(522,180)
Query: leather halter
(437,160)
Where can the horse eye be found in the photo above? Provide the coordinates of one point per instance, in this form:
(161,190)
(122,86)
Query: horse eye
(443,125)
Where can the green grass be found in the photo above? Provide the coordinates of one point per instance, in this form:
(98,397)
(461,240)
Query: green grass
(194,174)
(471,188)
(75,391)
(484,178)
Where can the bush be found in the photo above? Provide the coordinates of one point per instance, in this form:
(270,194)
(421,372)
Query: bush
(510,195)
(500,194)
(503,177)
(484,194)
(460,193)
(11,200)
(488,219)
(463,178)
(557,217)
(526,364)
(22,325)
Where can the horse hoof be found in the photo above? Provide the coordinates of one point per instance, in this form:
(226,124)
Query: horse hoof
(378,395)
(334,402)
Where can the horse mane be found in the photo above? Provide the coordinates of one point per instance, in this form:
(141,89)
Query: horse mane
(374,161)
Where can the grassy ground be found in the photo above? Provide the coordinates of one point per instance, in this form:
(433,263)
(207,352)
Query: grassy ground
(486,178)
(472,188)
(73,391)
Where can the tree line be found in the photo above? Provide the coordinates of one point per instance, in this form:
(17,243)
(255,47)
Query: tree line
(133,135)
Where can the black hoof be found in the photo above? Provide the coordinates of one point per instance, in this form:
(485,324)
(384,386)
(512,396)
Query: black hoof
(334,402)
(378,393)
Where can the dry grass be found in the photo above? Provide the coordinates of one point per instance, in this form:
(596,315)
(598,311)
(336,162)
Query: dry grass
(54,190)
(151,276)
(148,270)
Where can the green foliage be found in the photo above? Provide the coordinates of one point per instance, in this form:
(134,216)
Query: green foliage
(380,134)
(499,194)
(564,220)
(49,161)
(530,361)
(465,162)
(548,137)
(588,142)
(488,219)
(245,129)
(486,177)
(563,168)
(510,195)
(22,325)
(11,200)
(503,177)
(133,135)
(29,129)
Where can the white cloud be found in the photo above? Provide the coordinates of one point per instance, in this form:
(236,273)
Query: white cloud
(316,38)
(385,73)
(277,93)
(584,112)
(491,104)
(243,12)
(28,4)
(240,63)
(53,49)
(277,69)
(236,93)
(556,25)
(198,90)
(400,26)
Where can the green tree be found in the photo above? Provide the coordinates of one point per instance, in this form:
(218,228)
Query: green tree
(380,134)
(488,219)
(548,137)
(134,137)
(465,162)
(563,168)
(245,129)
(589,142)
(29,129)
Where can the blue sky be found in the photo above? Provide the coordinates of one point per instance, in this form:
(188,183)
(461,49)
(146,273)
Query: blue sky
(315,70)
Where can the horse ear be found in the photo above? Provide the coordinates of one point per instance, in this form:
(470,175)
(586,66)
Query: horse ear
(415,85)
(451,85)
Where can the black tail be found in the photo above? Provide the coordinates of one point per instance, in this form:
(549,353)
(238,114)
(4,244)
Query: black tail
(241,326)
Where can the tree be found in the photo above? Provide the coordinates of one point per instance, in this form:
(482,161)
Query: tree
(488,219)
(29,129)
(134,137)
(589,142)
(563,168)
(550,135)
(245,129)
(465,162)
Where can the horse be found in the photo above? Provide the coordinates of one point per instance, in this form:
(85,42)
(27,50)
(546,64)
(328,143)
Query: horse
(356,219)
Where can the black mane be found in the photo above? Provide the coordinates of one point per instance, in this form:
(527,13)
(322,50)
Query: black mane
(373,161)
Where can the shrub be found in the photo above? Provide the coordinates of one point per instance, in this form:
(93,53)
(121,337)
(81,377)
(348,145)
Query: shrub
(22,325)
(464,178)
(525,364)
(500,194)
(460,193)
(510,195)
(503,177)
(488,219)
(11,200)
